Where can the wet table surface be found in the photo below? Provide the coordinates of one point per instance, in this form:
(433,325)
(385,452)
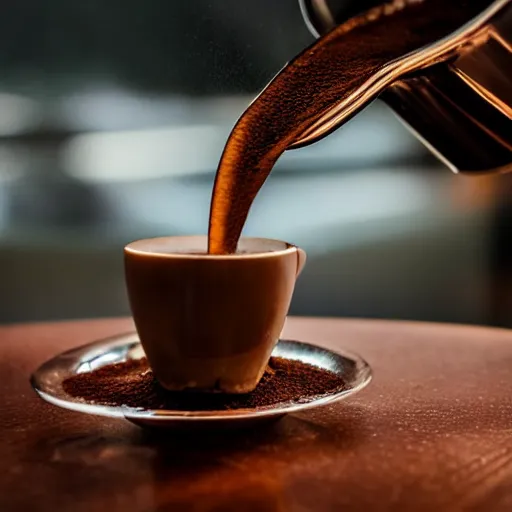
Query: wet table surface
(433,431)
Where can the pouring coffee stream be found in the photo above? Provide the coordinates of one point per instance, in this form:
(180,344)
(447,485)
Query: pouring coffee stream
(444,67)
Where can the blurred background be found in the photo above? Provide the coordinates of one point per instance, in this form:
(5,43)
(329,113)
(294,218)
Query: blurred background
(113,116)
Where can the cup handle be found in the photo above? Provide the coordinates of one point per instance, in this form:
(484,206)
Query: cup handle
(301,260)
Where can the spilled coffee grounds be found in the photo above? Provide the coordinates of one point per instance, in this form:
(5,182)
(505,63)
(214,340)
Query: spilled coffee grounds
(133,384)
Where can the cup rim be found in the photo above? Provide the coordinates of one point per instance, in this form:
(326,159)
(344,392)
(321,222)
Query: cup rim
(131,248)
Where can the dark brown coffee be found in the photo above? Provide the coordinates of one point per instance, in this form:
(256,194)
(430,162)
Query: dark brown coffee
(324,74)
(133,384)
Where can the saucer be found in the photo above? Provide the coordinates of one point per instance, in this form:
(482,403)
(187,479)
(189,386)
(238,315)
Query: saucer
(47,382)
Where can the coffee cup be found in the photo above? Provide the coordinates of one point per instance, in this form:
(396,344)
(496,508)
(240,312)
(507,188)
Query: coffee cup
(210,322)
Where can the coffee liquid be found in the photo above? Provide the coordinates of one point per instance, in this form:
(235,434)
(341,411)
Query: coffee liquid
(308,87)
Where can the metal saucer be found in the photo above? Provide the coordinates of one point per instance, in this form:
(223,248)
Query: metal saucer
(47,382)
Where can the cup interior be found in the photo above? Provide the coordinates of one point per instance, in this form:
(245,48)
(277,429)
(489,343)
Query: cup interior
(196,247)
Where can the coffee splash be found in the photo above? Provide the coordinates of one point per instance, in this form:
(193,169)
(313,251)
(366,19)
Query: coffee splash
(326,73)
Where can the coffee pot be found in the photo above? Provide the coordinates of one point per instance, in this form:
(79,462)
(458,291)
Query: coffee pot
(455,94)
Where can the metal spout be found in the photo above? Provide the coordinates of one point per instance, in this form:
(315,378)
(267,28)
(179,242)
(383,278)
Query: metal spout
(455,94)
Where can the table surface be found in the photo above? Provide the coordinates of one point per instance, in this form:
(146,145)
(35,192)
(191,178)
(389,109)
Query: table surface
(433,431)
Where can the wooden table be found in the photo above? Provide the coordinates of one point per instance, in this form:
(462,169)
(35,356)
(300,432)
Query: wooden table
(433,431)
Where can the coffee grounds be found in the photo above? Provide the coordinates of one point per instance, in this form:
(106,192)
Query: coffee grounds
(133,384)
